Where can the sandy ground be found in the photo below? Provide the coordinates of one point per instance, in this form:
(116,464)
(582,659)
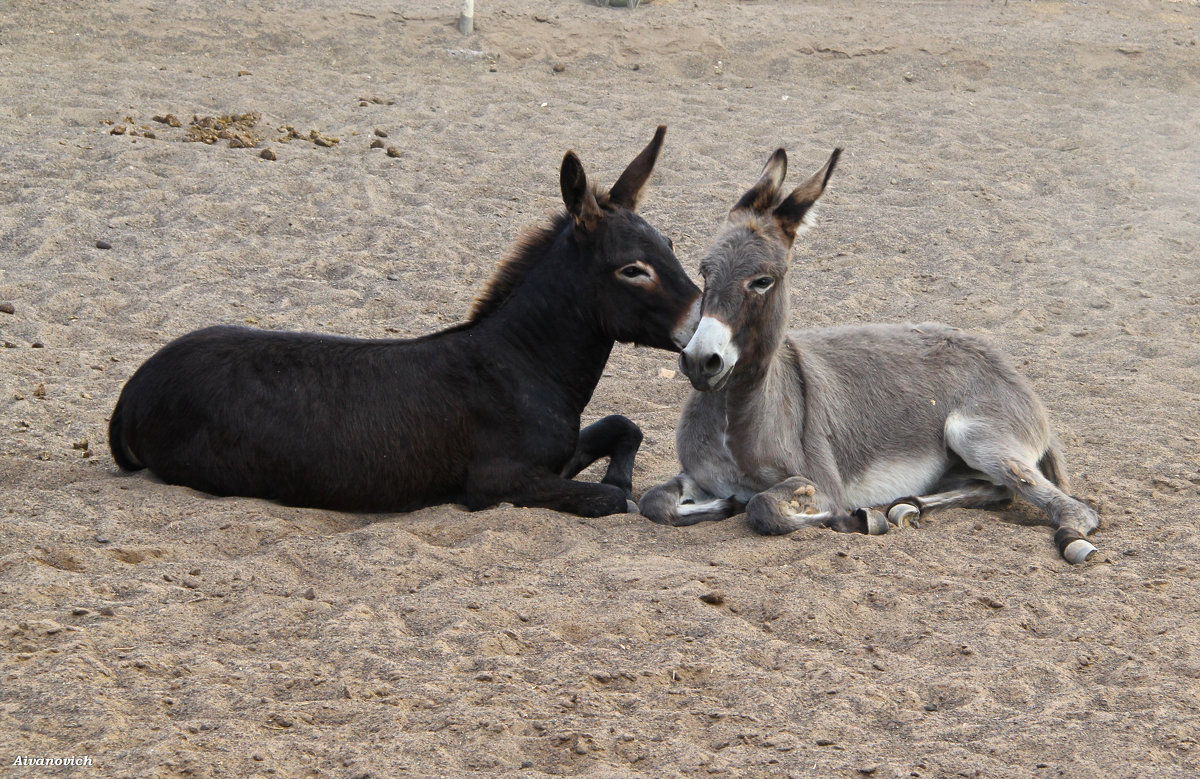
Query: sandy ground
(1028,170)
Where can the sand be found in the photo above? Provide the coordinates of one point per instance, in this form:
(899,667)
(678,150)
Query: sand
(1027,170)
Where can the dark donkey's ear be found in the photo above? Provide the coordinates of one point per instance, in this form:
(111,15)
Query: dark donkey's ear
(796,210)
(577,195)
(628,188)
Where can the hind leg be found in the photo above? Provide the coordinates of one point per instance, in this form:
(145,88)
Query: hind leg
(1008,463)
(972,493)
(681,501)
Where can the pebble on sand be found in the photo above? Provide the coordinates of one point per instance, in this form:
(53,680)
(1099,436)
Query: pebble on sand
(7,308)
(103,245)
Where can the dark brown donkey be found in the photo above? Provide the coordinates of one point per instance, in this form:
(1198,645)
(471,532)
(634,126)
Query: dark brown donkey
(814,427)
(484,412)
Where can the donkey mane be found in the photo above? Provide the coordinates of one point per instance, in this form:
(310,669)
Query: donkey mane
(532,246)
(529,249)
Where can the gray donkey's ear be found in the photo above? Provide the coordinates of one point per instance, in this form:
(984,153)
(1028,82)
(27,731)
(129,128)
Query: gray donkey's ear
(763,194)
(795,212)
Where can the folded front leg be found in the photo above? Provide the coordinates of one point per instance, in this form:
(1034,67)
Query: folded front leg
(614,437)
(681,501)
(795,503)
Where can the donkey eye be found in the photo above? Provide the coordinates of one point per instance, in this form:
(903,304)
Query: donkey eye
(633,271)
(761,284)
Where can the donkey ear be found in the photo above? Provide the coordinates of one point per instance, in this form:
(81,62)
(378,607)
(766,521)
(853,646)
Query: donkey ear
(577,195)
(762,195)
(795,213)
(628,188)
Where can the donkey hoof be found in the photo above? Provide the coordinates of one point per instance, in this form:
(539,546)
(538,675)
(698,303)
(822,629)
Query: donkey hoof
(631,507)
(904,515)
(1078,551)
(1071,544)
(873,520)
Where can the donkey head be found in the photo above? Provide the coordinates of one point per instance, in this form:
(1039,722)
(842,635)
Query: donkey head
(641,293)
(745,307)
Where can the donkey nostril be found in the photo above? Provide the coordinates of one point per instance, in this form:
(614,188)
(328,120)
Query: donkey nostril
(713,364)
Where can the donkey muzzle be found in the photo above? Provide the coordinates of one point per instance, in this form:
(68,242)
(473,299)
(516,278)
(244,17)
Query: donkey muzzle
(685,328)
(709,357)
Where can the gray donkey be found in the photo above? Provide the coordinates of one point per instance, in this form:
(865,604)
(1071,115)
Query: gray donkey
(814,427)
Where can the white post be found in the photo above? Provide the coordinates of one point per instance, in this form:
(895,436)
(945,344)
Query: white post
(466,21)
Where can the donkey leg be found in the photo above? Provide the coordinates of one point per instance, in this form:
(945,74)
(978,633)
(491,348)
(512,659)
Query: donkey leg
(614,437)
(974,494)
(585,499)
(794,503)
(681,501)
(1008,463)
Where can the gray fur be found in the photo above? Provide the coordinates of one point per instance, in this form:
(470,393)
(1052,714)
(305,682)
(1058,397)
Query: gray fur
(806,428)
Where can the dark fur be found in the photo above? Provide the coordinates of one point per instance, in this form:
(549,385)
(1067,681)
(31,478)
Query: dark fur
(483,412)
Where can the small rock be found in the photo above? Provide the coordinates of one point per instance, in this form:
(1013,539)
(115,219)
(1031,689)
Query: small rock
(117,130)
(7,308)
(241,141)
(107,611)
(37,345)
(268,154)
(310,594)
(80,612)
(714,598)
(666,373)
(82,444)
(244,73)
(325,141)
(559,67)
(169,119)
(103,245)
(392,151)
(381,133)
(377,144)
(39,391)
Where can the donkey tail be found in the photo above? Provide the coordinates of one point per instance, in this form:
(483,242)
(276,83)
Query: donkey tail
(1051,466)
(121,452)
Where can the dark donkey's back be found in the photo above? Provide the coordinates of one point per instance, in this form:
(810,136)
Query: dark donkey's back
(483,412)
